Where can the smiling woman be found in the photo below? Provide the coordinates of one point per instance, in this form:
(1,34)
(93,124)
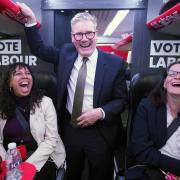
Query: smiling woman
(21,81)
(27,117)
(153,150)
(18,82)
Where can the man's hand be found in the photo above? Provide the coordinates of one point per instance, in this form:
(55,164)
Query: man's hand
(178,178)
(89,117)
(27,12)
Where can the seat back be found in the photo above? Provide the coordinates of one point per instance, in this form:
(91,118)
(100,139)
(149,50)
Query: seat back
(0,77)
(47,82)
(140,87)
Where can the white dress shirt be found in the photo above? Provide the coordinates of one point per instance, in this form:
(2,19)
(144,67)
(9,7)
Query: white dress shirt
(172,146)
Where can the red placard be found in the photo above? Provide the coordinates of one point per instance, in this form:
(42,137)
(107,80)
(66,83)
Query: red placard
(3,170)
(23,152)
(10,9)
(28,171)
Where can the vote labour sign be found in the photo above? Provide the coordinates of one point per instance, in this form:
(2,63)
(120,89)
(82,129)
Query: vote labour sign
(163,53)
(11,52)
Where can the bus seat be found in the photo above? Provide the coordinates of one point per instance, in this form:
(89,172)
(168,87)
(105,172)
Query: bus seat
(47,82)
(140,86)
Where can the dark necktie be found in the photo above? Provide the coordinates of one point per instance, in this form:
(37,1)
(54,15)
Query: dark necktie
(79,93)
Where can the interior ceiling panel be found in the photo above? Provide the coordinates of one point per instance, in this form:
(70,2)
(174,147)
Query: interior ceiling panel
(105,17)
(126,25)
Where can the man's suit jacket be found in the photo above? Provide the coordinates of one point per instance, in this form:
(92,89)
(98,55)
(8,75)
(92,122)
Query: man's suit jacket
(149,135)
(43,127)
(110,92)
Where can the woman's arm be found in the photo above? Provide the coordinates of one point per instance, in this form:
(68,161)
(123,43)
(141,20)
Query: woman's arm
(2,150)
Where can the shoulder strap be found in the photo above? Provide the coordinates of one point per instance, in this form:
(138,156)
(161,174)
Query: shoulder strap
(172,127)
(25,125)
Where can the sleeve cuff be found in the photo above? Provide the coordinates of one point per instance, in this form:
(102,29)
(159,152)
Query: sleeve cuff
(30,24)
(103,113)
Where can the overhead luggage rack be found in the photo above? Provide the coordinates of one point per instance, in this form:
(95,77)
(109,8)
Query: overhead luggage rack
(124,44)
(167,22)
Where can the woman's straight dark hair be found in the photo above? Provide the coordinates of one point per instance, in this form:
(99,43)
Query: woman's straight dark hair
(158,94)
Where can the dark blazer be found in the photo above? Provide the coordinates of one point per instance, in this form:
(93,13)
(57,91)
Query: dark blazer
(150,134)
(110,92)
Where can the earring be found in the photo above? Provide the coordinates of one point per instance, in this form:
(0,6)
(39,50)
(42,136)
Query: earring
(10,88)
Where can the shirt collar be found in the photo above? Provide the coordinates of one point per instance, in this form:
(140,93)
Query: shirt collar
(92,58)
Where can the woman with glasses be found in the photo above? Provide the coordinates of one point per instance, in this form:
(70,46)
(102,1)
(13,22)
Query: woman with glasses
(155,145)
(92,93)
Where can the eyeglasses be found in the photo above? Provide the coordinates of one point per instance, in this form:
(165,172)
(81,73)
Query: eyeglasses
(172,73)
(79,36)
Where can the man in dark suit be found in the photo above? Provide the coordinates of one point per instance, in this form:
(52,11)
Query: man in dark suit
(96,131)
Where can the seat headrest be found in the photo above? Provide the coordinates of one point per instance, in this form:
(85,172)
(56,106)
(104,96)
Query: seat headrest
(141,85)
(47,82)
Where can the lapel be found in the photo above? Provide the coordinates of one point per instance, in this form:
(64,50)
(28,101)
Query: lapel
(32,122)
(69,63)
(37,124)
(99,76)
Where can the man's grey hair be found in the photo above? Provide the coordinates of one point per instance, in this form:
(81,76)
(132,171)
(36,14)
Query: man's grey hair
(84,16)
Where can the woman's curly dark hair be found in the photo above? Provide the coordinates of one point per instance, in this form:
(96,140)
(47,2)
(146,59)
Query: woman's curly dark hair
(7,98)
(159,95)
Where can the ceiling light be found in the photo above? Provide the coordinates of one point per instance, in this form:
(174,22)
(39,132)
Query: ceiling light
(118,18)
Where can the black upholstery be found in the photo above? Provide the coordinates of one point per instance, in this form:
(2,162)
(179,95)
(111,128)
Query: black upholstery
(47,82)
(0,77)
(140,86)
